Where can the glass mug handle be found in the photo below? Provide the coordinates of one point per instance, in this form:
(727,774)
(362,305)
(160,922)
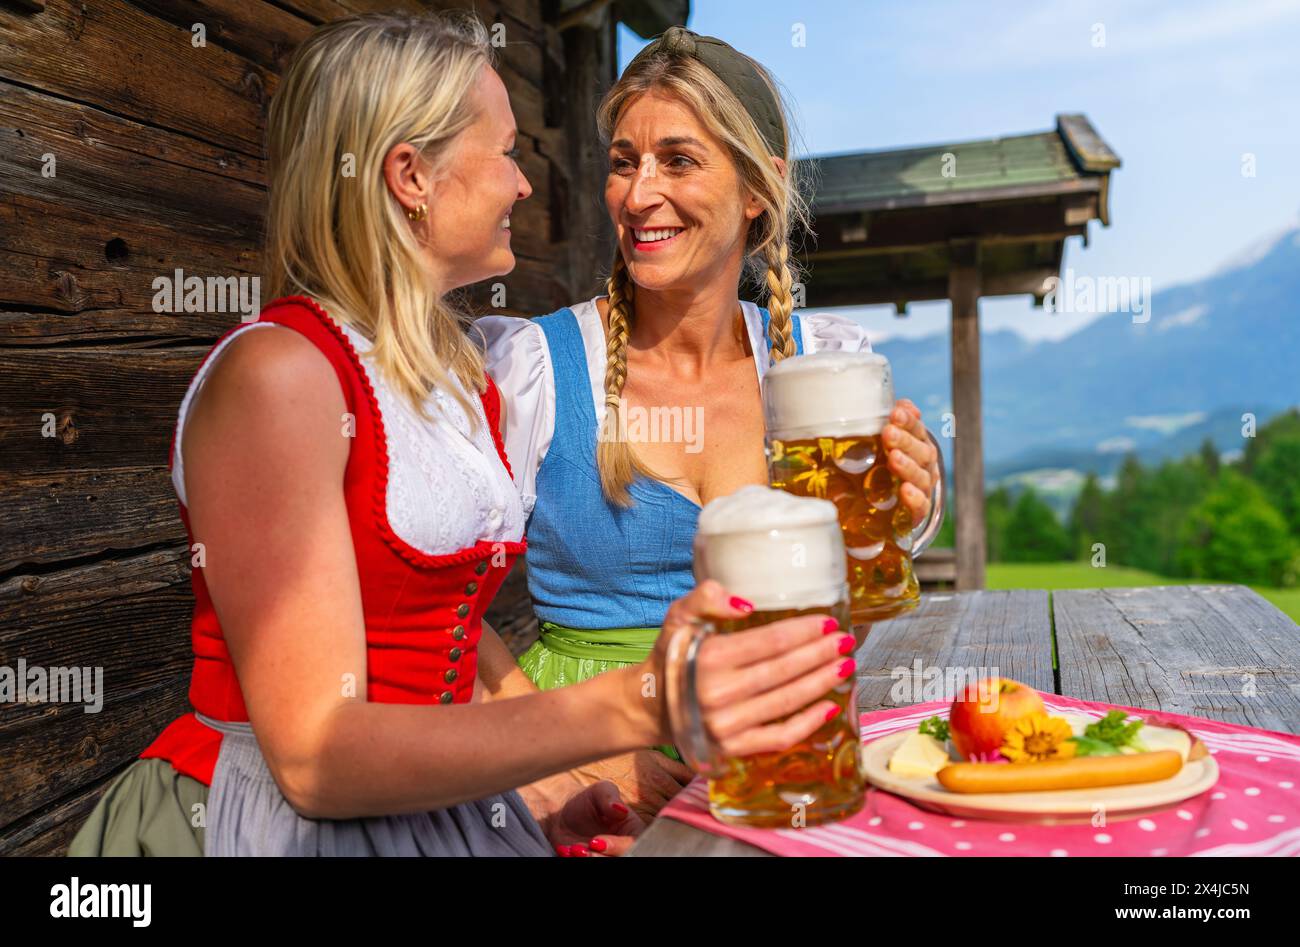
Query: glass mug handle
(924,534)
(690,736)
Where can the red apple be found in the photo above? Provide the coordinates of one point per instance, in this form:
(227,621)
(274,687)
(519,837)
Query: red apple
(980,717)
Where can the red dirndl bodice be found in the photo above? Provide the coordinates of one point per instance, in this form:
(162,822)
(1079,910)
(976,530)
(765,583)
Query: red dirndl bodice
(423,613)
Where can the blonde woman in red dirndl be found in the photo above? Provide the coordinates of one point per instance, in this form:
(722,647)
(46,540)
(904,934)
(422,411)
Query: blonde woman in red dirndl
(342,479)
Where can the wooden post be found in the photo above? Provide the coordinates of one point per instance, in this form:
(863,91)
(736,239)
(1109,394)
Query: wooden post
(968,449)
(591,67)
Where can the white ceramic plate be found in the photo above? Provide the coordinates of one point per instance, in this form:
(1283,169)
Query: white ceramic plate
(1059,805)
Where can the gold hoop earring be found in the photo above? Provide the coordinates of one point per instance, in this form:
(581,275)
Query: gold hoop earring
(419,213)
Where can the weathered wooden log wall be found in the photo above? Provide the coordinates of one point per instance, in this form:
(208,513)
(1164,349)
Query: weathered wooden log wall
(128,152)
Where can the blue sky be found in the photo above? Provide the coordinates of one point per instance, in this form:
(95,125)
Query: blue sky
(1180,90)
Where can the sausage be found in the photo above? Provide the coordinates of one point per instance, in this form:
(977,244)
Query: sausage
(1083,772)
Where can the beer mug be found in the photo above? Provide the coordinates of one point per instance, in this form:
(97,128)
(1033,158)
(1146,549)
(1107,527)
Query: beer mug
(824,415)
(785,555)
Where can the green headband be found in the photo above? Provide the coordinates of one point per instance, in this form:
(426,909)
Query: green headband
(735,71)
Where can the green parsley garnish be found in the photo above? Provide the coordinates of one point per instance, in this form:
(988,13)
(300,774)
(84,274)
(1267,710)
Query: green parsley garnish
(1109,736)
(936,727)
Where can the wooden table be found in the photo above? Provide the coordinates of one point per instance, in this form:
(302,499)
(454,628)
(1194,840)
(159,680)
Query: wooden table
(1217,651)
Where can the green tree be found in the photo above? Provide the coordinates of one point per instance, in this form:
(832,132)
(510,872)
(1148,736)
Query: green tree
(1032,532)
(1133,539)
(1176,487)
(1234,534)
(997,510)
(1286,424)
(1210,457)
(1276,468)
(1087,519)
(947,536)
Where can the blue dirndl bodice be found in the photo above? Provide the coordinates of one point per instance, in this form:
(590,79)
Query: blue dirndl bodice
(593,564)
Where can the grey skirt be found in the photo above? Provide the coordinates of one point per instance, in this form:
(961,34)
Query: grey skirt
(246,814)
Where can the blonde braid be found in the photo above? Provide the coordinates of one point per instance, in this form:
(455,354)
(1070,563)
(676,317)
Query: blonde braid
(617,464)
(780,301)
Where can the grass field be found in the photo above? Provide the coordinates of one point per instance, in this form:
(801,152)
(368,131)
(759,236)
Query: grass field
(1081,575)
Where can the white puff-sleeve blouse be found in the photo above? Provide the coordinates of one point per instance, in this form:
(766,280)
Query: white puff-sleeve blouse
(519,361)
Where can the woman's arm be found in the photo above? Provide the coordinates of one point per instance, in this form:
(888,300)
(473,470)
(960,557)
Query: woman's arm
(265,449)
(498,671)
(646,779)
(499,678)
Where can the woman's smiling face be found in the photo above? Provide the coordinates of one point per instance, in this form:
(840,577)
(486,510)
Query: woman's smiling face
(468,231)
(678,205)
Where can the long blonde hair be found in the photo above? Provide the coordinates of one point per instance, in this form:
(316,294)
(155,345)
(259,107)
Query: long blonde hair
(767,247)
(355,88)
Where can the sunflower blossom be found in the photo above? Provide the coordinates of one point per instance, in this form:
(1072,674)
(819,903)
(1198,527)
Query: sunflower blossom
(1038,737)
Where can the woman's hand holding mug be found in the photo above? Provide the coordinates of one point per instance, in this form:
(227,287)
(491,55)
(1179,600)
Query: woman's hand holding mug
(758,690)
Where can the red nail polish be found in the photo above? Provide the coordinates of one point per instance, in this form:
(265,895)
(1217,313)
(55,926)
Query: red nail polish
(848,667)
(599,845)
(562,851)
(830,625)
(579,851)
(832,713)
(620,808)
(739,603)
(847,644)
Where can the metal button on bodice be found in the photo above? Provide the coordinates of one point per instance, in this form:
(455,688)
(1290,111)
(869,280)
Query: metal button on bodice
(481,568)
(471,588)
(454,654)
(462,610)
(458,632)
(446,697)
(450,675)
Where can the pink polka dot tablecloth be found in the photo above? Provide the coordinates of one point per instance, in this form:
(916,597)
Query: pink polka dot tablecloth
(1254,808)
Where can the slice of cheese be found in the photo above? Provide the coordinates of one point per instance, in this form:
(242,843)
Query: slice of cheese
(1165,738)
(920,756)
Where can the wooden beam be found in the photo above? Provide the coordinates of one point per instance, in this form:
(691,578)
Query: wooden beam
(957,197)
(648,18)
(903,250)
(1092,156)
(828,293)
(1090,153)
(122,60)
(590,68)
(925,227)
(579,14)
(968,452)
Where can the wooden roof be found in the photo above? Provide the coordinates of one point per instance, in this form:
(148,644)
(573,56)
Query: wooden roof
(890,224)
(1020,165)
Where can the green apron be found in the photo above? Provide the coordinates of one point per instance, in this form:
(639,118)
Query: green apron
(564,656)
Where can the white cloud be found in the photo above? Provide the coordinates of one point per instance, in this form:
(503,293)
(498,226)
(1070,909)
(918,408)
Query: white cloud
(1116,445)
(1164,423)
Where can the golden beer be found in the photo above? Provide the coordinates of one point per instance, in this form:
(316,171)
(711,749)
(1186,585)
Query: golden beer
(824,414)
(785,554)
(815,781)
(852,472)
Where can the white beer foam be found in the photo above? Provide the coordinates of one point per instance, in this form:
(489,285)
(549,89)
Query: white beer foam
(775,549)
(828,394)
(754,507)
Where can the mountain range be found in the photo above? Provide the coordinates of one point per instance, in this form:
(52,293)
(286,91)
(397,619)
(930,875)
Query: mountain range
(1206,354)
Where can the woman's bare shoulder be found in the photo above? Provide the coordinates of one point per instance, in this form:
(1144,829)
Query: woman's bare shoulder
(277,365)
(269,388)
